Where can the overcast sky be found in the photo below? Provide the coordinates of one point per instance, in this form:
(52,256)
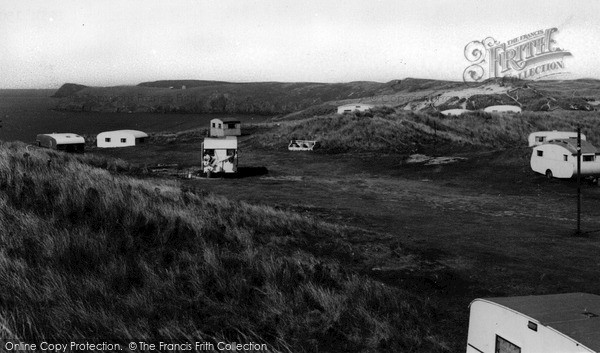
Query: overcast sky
(45,43)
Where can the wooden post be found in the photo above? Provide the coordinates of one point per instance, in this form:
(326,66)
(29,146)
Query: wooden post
(578,180)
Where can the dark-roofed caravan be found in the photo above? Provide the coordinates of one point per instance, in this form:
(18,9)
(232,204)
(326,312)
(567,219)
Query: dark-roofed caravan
(62,142)
(565,323)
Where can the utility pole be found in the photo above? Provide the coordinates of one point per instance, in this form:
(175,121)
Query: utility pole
(435,137)
(578,181)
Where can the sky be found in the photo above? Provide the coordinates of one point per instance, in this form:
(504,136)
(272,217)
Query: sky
(45,43)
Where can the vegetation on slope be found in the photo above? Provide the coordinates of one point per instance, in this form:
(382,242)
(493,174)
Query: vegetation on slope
(276,98)
(384,129)
(263,98)
(86,253)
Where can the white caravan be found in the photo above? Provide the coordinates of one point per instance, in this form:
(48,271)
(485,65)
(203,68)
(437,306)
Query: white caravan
(558,159)
(541,137)
(565,323)
(219,154)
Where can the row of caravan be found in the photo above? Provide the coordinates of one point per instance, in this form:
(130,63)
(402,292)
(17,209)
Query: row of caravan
(555,155)
(70,142)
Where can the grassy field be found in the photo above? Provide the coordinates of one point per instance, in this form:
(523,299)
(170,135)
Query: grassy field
(483,226)
(89,253)
(352,247)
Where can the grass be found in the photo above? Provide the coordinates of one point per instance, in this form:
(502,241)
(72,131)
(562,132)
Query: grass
(386,130)
(88,252)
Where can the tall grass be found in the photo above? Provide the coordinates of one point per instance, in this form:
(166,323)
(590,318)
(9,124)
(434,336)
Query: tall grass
(90,253)
(406,132)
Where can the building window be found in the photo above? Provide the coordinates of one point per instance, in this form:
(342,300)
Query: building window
(107,139)
(123,140)
(540,153)
(588,158)
(220,126)
(214,124)
(231,126)
(565,157)
(504,346)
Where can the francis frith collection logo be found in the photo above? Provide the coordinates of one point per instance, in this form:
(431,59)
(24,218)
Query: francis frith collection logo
(531,56)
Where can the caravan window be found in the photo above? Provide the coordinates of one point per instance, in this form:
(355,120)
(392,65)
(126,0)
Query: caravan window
(123,140)
(107,139)
(540,153)
(504,346)
(539,138)
(565,157)
(231,125)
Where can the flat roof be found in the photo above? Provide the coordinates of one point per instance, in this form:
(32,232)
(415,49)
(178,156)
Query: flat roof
(227,142)
(571,145)
(576,315)
(227,120)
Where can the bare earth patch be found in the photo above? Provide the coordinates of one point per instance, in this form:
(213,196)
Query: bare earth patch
(428,160)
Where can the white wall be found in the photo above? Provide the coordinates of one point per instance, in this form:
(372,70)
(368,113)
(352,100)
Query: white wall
(115,140)
(488,320)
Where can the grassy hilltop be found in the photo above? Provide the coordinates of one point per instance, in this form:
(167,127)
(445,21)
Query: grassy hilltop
(280,98)
(387,130)
(90,251)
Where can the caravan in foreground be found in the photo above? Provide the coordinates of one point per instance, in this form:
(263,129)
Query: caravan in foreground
(541,137)
(558,159)
(565,323)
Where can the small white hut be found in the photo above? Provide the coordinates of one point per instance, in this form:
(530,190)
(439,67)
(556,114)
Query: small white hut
(120,138)
(225,127)
(540,137)
(503,109)
(349,108)
(565,323)
(558,159)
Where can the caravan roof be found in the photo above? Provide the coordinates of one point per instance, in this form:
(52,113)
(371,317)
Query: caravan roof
(575,315)
(227,142)
(134,133)
(66,138)
(571,145)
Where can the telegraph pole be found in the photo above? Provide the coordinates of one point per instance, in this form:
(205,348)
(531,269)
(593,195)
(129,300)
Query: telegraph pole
(578,181)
